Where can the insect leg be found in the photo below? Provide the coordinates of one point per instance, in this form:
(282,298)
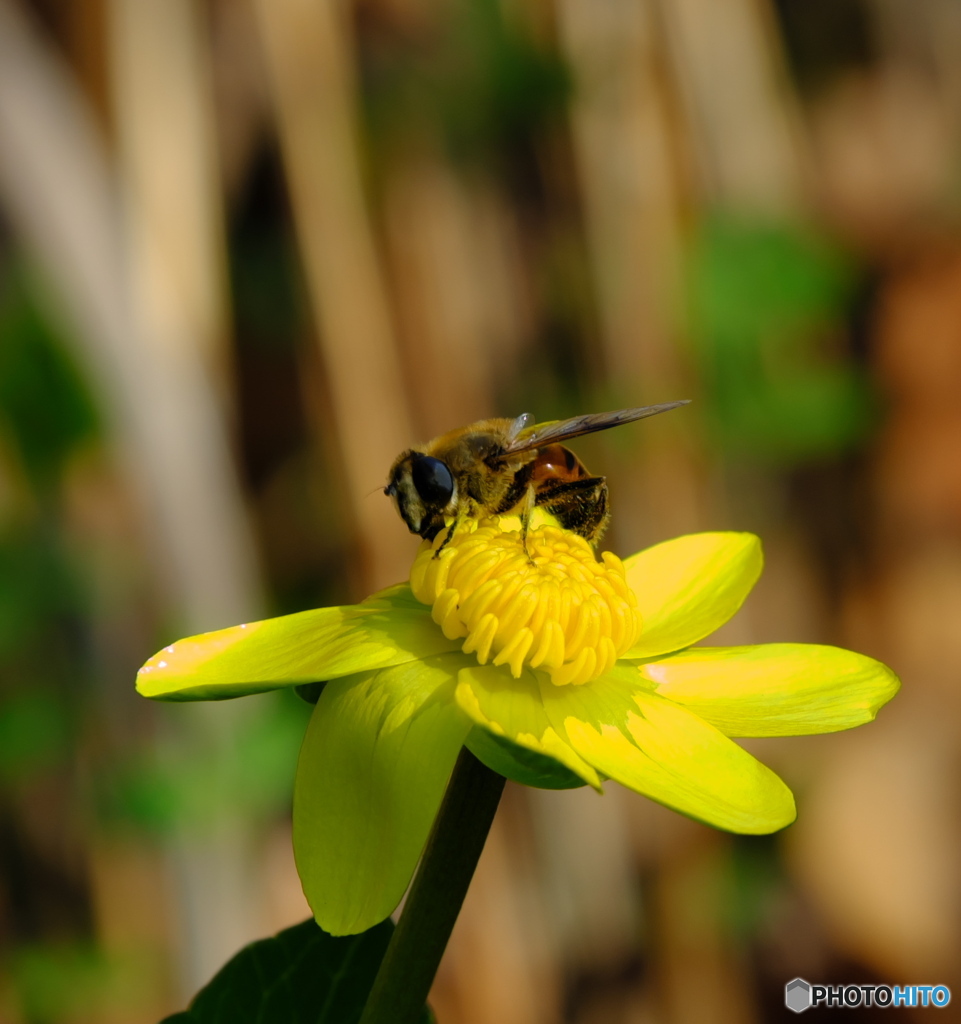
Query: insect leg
(464,512)
(526,511)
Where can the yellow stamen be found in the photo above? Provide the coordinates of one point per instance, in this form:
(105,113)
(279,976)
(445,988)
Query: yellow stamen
(445,614)
(550,606)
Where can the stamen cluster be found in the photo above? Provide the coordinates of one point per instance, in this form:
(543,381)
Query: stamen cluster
(546,603)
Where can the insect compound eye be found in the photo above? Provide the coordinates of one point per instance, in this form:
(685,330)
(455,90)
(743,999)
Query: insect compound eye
(432,479)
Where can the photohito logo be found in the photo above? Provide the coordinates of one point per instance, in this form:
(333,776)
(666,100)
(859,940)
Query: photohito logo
(801,995)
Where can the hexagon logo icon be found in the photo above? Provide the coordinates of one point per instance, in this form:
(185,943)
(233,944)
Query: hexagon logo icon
(797,995)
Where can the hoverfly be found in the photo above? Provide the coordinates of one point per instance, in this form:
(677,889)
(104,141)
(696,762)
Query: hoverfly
(507,466)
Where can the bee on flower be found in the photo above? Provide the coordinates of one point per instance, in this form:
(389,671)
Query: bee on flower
(555,668)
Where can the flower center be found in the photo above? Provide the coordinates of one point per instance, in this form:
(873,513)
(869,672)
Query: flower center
(552,606)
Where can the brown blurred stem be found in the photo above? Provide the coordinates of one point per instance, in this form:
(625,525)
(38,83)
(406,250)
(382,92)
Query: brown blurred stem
(418,943)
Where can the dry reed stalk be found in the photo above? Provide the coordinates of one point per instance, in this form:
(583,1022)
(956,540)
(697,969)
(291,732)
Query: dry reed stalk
(635,170)
(161,88)
(701,971)
(443,269)
(876,847)
(631,165)
(61,196)
(309,60)
(727,61)
(629,176)
(166,146)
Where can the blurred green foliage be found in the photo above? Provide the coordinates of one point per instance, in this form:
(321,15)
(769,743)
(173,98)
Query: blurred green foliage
(34,733)
(201,784)
(46,410)
(46,414)
(757,883)
(59,978)
(38,587)
(480,78)
(496,87)
(767,304)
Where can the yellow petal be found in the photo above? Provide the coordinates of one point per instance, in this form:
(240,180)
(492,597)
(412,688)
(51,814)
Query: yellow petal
(373,768)
(389,628)
(689,586)
(519,763)
(665,752)
(512,708)
(775,689)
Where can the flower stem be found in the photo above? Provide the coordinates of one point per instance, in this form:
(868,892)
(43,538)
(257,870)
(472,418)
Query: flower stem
(434,901)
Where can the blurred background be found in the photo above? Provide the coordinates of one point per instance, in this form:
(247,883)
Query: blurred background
(251,249)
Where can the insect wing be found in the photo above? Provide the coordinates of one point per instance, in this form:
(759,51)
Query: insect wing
(556,431)
(522,425)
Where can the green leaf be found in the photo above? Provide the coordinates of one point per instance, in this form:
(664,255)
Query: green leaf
(300,976)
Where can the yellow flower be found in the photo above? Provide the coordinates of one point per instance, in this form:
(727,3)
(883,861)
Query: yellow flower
(554,668)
